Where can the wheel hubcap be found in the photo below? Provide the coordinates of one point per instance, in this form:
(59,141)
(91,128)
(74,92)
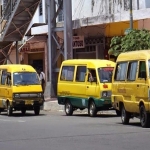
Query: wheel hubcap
(67,108)
(123,115)
(91,109)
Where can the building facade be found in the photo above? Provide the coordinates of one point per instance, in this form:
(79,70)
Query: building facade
(95,22)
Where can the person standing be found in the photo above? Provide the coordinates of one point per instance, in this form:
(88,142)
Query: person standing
(42,78)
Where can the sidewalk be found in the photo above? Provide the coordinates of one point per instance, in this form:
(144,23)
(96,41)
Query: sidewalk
(52,105)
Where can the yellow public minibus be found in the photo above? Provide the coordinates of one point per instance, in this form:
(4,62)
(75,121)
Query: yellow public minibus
(85,83)
(131,86)
(20,89)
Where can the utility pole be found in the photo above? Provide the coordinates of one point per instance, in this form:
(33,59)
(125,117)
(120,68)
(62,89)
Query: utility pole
(131,16)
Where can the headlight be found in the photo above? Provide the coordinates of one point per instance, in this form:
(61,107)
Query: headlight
(16,96)
(104,94)
(39,94)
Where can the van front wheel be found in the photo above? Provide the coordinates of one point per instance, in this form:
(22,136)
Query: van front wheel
(92,111)
(68,108)
(37,110)
(125,116)
(9,109)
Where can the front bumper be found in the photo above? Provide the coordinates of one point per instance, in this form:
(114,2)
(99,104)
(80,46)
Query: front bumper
(27,103)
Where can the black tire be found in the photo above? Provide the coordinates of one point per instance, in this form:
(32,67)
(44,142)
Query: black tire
(68,108)
(125,116)
(118,112)
(23,111)
(144,117)
(37,111)
(9,109)
(92,110)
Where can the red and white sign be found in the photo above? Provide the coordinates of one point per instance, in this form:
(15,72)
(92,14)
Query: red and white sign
(78,42)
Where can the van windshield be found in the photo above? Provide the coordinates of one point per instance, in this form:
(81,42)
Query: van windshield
(105,74)
(25,78)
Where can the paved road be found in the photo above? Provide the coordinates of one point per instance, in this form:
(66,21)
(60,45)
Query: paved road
(52,130)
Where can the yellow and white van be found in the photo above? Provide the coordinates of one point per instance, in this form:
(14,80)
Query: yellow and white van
(85,83)
(131,86)
(20,89)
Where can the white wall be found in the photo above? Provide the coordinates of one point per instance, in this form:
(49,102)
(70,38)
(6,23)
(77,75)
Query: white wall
(92,8)
(37,18)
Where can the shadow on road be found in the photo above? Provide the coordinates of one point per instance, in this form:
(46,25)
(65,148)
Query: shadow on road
(135,124)
(18,114)
(98,115)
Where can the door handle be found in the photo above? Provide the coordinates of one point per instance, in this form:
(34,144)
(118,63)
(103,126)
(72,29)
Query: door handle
(87,86)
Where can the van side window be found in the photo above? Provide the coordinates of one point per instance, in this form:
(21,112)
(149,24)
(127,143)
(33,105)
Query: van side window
(80,75)
(4,76)
(120,73)
(132,69)
(92,75)
(142,69)
(8,79)
(67,73)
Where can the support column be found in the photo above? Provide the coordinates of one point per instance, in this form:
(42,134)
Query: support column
(67,8)
(17,54)
(53,43)
(51,47)
(45,60)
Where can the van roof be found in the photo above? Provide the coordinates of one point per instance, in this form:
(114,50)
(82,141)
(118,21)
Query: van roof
(134,55)
(17,67)
(91,62)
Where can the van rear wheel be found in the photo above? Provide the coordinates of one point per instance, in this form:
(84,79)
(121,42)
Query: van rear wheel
(125,116)
(144,117)
(92,111)
(68,108)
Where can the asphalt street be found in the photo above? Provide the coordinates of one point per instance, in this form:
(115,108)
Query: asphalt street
(52,130)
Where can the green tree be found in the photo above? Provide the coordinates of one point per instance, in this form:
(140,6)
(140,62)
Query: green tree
(134,40)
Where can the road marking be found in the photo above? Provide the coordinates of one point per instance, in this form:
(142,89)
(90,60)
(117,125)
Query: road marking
(6,120)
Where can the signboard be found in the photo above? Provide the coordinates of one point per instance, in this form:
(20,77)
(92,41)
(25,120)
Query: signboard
(78,42)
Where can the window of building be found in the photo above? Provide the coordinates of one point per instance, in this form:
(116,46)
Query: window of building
(40,9)
(120,73)
(132,69)
(81,72)
(67,73)
(142,69)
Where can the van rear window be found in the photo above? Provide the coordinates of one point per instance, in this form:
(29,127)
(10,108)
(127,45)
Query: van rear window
(67,73)
(105,74)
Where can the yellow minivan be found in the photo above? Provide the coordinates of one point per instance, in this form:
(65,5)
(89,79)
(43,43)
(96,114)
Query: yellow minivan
(131,86)
(85,83)
(20,89)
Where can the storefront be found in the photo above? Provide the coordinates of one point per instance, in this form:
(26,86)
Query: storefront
(34,53)
(92,47)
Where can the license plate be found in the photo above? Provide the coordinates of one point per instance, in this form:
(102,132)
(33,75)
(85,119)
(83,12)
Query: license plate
(106,102)
(28,102)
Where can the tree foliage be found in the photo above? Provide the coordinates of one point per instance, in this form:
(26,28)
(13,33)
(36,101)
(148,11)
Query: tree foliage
(134,40)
